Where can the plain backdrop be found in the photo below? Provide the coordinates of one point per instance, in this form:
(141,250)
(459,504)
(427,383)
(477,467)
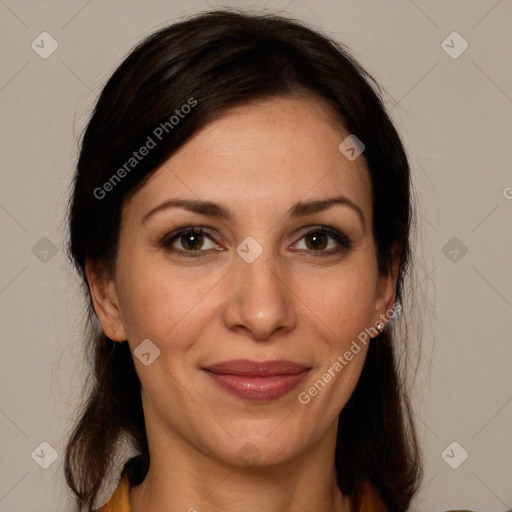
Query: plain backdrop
(452,106)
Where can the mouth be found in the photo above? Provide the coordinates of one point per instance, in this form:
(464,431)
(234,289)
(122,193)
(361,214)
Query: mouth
(257,381)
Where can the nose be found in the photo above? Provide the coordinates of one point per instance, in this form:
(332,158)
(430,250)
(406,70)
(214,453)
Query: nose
(259,297)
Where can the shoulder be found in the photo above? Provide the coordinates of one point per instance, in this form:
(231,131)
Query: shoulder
(369,498)
(120,500)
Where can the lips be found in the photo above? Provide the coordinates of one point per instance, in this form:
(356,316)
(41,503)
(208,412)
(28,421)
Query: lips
(257,381)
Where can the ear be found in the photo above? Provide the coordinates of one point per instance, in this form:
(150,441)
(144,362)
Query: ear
(105,301)
(386,288)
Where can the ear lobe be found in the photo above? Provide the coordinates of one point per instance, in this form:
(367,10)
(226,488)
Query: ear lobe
(104,298)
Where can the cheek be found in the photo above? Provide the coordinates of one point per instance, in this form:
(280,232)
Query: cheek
(164,304)
(158,304)
(343,302)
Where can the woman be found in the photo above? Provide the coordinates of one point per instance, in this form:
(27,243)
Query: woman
(241,217)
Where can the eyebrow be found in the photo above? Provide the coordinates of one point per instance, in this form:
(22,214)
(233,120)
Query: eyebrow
(212,209)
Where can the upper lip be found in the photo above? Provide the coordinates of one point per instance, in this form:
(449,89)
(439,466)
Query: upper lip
(249,368)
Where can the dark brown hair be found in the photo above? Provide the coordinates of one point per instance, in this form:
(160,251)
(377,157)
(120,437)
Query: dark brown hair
(220,59)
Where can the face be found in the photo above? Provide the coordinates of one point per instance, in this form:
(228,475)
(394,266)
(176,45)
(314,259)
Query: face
(271,272)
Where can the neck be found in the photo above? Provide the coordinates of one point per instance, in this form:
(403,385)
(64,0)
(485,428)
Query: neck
(232,491)
(179,480)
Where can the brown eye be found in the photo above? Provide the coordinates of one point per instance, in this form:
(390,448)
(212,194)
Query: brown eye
(190,241)
(193,242)
(316,241)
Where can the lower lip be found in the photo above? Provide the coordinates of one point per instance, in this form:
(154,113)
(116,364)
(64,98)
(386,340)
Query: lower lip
(258,388)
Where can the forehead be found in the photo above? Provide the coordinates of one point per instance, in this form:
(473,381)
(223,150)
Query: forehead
(272,153)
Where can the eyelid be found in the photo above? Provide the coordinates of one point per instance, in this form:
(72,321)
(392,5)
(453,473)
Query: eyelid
(177,233)
(344,241)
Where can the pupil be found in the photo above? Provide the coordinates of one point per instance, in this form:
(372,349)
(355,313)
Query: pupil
(316,242)
(191,240)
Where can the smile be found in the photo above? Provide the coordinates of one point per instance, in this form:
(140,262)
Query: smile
(257,381)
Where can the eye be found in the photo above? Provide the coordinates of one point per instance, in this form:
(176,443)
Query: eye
(193,241)
(316,241)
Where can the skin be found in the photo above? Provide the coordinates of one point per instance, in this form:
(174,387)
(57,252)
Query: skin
(257,160)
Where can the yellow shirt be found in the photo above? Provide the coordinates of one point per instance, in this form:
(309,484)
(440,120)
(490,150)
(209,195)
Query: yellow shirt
(120,500)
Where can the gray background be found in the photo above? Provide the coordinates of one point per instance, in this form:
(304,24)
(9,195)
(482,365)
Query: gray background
(454,115)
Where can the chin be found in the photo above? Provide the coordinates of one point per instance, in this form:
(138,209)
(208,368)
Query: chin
(264,448)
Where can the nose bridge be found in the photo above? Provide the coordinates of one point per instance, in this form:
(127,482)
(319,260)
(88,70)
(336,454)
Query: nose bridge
(258,264)
(259,298)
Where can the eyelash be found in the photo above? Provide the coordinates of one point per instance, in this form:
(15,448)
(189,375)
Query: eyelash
(345,242)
